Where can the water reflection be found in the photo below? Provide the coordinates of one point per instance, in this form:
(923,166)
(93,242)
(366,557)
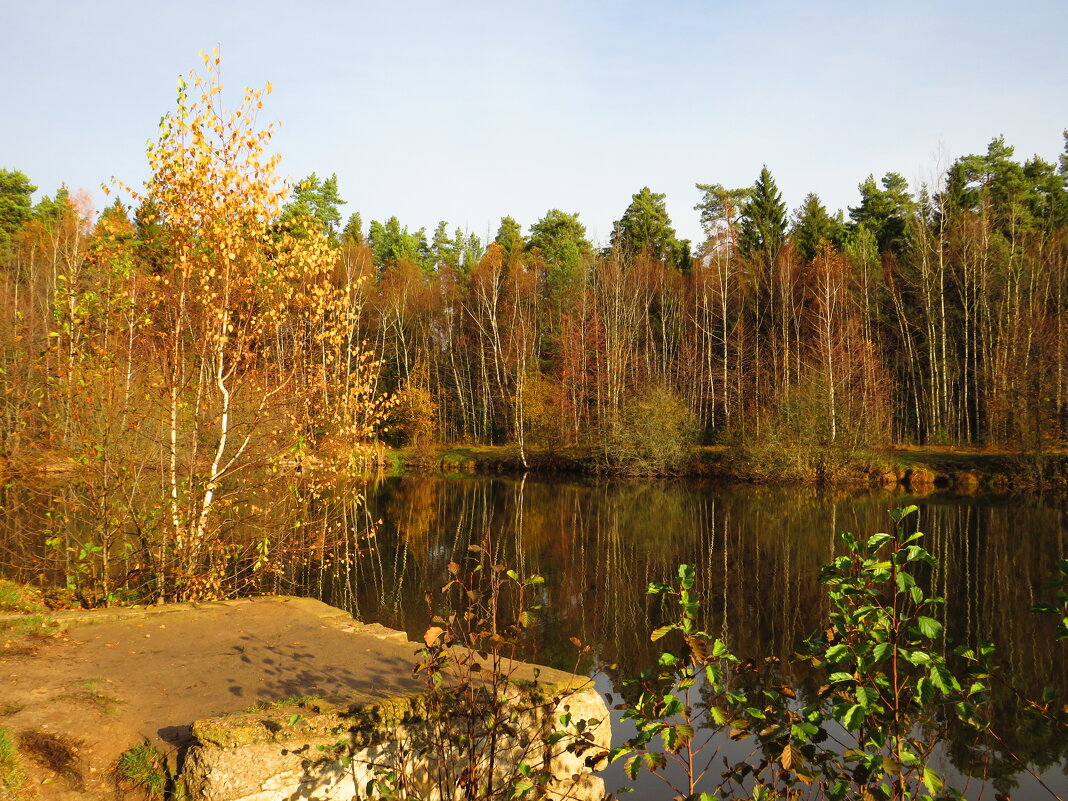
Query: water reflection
(598,544)
(758,552)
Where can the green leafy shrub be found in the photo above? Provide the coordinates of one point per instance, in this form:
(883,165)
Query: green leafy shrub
(654,433)
(1058,607)
(887,681)
(793,440)
(869,731)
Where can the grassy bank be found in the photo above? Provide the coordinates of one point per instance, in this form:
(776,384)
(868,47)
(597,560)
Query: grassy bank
(918,468)
(964,470)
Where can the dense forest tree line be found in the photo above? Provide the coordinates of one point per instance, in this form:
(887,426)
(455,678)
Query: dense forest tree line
(935,314)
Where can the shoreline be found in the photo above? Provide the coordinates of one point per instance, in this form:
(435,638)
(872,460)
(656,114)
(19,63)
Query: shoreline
(966,470)
(918,469)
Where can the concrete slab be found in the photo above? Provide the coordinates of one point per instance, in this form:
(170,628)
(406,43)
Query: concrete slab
(119,677)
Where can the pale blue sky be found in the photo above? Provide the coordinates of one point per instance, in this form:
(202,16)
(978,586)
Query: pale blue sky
(470,111)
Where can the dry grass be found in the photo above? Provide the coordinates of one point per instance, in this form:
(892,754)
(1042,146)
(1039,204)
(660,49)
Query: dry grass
(57,753)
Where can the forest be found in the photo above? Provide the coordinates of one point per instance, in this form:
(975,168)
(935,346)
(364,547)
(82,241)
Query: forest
(216,361)
(212,319)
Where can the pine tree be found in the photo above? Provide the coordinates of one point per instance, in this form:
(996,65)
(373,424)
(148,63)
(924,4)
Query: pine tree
(885,212)
(763,229)
(353,230)
(16,193)
(316,199)
(813,226)
(646,228)
(510,236)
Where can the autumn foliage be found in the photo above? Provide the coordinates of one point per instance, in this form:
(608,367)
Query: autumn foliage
(217,329)
(204,342)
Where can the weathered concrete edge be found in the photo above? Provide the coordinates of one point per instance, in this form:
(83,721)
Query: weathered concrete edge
(368,722)
(330,754)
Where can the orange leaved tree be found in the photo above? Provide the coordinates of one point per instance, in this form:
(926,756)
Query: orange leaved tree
(228,321)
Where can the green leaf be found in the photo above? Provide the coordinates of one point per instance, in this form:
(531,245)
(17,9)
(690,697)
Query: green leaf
(834,678)
(687,575)
(899,514)
(654,760)
(881,651)
(924,691)
(943,679)
(917,657)
(836,653)
(877,541)
(853,717)
(522,787)
(905,581)
(929,627)
(909,758)
(866,696)
(670,736)
(932,781)
(672,706)
(632,766)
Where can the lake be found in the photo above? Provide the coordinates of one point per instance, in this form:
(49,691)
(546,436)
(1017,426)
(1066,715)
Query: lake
(599,543)
(757,551)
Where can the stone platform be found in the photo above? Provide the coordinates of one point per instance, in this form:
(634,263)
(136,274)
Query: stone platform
(250,697)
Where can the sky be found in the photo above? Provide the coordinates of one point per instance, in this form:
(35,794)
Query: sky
(467,112)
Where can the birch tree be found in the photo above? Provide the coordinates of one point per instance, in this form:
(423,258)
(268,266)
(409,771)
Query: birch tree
(220,304)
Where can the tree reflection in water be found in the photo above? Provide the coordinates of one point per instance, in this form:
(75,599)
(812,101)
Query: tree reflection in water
(757,550)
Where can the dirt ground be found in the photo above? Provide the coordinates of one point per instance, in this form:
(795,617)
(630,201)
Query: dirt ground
(81,698)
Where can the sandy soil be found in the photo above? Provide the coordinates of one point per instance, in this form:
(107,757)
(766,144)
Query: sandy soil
(96,690)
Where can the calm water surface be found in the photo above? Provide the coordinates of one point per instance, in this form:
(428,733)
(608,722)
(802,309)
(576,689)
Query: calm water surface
(598,544)
(758,552)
